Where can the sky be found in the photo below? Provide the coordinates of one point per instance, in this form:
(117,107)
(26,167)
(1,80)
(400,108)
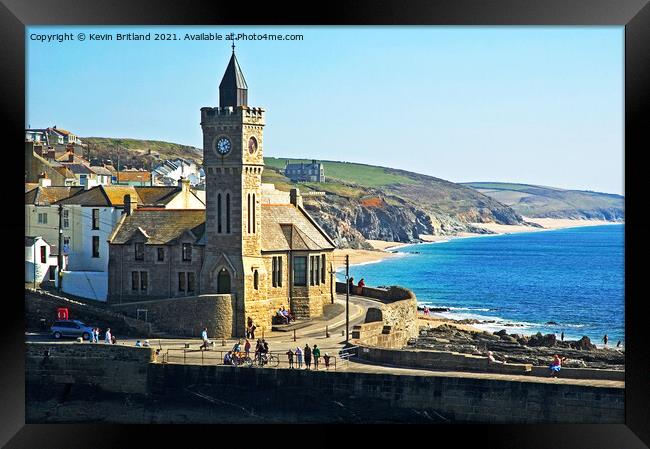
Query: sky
(537,105)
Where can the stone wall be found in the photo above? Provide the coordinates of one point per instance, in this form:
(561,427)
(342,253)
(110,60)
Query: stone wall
(113,368)
(385,397)
(390,324)
(188,316)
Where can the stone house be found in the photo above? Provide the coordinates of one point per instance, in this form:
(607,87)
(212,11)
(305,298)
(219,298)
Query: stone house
(305,172)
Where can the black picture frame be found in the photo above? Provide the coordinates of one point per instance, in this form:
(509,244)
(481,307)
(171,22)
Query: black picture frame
(633,14)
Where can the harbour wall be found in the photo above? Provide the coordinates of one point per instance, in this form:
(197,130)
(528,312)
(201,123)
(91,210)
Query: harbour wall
(129,379)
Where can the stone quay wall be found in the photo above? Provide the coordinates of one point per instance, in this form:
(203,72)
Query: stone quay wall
(390,324)
(187,316)
(385,396)
(111,368)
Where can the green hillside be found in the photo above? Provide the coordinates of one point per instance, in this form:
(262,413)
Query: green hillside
(541,201)
(140,153)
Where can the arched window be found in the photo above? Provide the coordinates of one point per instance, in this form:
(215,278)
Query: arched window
(228,213)
(256,280)
(254,213)
(249,214)
(219,213)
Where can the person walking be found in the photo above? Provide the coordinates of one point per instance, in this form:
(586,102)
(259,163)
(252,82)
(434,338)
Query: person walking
(351,285)
(326,357)
(108,336)
(316,353)
(249,325)
(204,337)
(562,336)
(299,357)
(618,345)
(307,352)
(290,357)
(247,348)
(605,339)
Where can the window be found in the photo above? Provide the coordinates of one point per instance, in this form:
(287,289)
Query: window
(323,271)
(187,252)
(161,254)
(139,281)
(300,271)
(228,213)
(249,215)
(95,246)
(218,214)
(181,282)
(253,213)
(190,282)
(95,219)
(256,280)
(311,270)
(139,251)
(317,270)
(52,272)
(279,271)
(135,280)
(144,280)
(42,218)
(275,271)
(43,254)
(66,218)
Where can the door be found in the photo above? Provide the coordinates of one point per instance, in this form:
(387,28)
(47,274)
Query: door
(223,281)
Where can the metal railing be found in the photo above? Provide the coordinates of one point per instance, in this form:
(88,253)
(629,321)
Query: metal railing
(276,359)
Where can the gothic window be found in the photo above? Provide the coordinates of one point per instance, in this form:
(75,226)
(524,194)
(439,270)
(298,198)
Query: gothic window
(312,264)
(249,213)
(219,213)
(190,282)
(322,269)
(317,270)
(187,252)
(181,282)
(254,213)
(135,280)
(275,271)
(300,271)
(139,251)
(161,254)
(279,271)
(144,281)
(228,213)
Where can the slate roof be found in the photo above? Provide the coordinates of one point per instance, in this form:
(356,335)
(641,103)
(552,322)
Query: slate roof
(42,196)
(113,195)
(233,78)
(98,170)
(78,169)
(287,227)
(161,226)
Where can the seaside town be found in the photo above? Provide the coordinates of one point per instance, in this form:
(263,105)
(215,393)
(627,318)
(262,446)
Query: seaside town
(140,279)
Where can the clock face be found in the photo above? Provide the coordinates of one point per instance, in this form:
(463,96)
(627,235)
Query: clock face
(223,145)
(252,145)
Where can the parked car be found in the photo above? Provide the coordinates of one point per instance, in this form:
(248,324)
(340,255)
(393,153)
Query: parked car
(71,328)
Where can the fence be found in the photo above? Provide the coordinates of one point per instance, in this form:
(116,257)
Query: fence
(188,356)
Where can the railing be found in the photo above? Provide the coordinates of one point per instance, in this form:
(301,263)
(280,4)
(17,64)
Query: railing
(187,356)
(346,353)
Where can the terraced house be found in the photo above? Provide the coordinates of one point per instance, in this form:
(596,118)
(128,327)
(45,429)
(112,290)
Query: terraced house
(253,245)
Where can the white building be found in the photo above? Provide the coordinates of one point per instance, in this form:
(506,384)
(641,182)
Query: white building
(40,261)
(171,171)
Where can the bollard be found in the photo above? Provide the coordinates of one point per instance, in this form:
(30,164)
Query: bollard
(327,332)
(294,335)
(342,333)
(223,342)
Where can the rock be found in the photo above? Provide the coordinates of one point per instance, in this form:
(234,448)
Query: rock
(553,323)
(542,340)
(501,333)
(584,344)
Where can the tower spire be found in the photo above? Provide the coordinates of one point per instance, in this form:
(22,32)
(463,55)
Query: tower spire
(233,90)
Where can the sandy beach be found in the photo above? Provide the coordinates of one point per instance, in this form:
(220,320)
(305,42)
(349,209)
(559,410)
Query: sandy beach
(383,248)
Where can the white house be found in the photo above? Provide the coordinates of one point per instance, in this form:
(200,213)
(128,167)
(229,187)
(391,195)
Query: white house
(170,172)
(40,261)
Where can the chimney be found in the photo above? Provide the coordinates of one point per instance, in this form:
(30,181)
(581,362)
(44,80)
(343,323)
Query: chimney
(129,205)
(295,198)
(184,184)
(70,155)
(43,180)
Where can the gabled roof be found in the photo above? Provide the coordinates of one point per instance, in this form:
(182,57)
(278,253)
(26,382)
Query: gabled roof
(287,227)
(30,186)
(78,169)
(100,170)
(45,196)
(162,226)
(156,195)
(113,196)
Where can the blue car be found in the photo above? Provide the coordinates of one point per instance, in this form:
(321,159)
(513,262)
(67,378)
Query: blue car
(71,328)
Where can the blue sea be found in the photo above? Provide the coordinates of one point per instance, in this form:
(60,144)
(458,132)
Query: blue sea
(573,277)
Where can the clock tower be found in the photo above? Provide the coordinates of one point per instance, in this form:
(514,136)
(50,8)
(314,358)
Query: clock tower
(233,163)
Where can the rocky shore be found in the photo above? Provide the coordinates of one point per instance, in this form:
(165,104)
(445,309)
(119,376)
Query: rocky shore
(514,348)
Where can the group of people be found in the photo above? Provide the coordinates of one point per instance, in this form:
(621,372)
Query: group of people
(109,338)
(236,353)
(308,354)
(360,285)
(285,315)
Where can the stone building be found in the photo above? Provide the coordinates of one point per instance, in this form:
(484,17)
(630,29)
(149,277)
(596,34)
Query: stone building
(304,172)
(264,254)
